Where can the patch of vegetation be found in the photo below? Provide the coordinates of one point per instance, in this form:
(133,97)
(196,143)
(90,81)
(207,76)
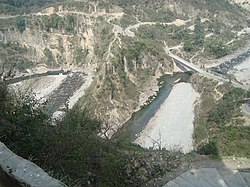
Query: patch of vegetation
(70,23)
(20,24)
(73,146)
(127,20)
(72,149)
(160,14)
(54,21)
(80,55)
(219,122)
(20,6)
(48,57)
(217,48)
(104,35)
(210,148)
(188,47)
(7,23)
(13,57)
(228,106)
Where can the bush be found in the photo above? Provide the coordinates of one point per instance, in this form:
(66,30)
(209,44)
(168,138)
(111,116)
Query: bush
(73,147)
(228,107)
(217,48)
(23,6)
(20,23)
(210,148)
(188,47)
(54,21)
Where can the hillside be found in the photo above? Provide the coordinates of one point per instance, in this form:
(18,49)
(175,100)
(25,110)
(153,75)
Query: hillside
(121,41)
(112,55)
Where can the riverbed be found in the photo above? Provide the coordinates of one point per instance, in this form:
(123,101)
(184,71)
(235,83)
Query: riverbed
(56,87)
(172,125)
(140,119)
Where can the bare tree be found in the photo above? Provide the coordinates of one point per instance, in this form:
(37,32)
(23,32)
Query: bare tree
(158,143)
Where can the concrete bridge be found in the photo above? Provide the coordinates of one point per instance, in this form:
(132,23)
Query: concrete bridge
(184,62)
(203,72)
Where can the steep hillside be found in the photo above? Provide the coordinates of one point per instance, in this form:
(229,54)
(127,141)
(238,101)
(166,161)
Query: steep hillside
(122,41)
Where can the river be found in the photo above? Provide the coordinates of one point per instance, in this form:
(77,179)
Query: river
(172,125)
(141,119)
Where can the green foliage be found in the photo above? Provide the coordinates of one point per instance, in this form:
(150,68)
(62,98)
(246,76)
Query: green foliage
(214,26)
(134,51)
(198,27)
(21,6)
(60,23)
(219,122)
(54,21)
(233,140)
(20,23)
(210,148)
(3,93)
(217,48)
(228,107)
(49,58)
(147,32)
(103,33)
(161,14)
(73,147)
(20,117)
(222,5)
(124,3)
(70,23)
(127,20)
(13,55)
(188,47)
(80,55)
(7,23)
(159,32)
(181,34)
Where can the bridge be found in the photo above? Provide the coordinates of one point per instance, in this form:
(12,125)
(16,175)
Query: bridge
(203,72)
(183,62)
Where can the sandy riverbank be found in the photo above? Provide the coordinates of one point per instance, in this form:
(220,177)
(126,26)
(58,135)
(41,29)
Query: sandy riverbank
(172,125)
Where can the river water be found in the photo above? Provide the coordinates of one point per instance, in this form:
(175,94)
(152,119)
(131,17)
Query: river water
(140,119)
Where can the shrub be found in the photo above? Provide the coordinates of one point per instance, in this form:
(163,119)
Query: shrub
(20,24)
(210,148)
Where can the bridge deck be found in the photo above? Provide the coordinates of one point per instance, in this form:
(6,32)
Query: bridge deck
(204,72)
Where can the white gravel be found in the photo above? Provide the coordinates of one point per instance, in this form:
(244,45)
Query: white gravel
(42,86)
(81,91)
(172,125)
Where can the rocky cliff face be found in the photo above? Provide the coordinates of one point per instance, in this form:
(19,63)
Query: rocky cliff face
(122,42)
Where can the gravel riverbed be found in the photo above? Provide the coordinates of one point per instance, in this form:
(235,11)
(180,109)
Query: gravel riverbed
(172,125)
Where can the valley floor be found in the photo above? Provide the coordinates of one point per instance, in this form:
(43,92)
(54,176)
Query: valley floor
(166,128)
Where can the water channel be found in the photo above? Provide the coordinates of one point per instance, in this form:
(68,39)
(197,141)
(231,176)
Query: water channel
(140,119)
